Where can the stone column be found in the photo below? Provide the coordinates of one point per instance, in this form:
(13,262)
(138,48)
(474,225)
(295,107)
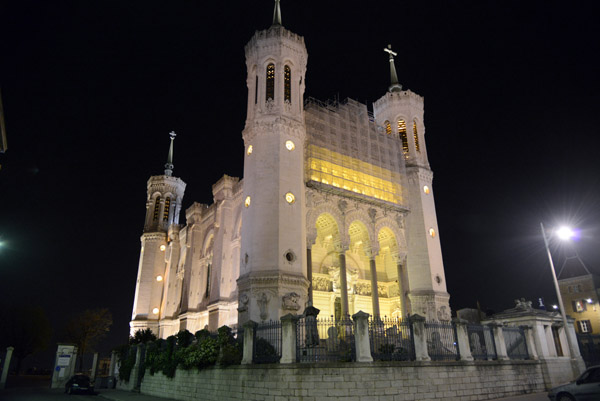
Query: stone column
(309,274)
(288,338)
(249,328)
(113,363)
(361,337)
(528,330)
(94,366)
(136,376)
(374,288)
(462,338)
(343,284)
(402,284)
(6,366)
(420,337)
(499,342)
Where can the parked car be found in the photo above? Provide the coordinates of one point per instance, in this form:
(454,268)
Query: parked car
(586,387)
(79,384)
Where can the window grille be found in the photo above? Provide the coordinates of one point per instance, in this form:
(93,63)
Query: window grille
(287,84)
(416,136)
(156,208)
(388,128)
(270,93)
(166,209)
(403,136)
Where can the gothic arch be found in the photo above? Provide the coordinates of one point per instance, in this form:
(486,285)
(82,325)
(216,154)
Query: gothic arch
(314,213)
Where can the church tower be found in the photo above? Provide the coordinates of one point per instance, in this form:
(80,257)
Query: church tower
(400,112)
(163,206)
(272,278)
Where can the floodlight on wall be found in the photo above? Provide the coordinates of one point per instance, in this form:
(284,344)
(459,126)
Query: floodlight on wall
(155,311)
(163,247)
(159,278)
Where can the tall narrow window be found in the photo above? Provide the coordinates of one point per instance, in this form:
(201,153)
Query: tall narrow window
(287,84)
(207,293)
(402,133)
(416,136)
(166,209)
(256,91)
(156,207)
(388,128)
(270,93)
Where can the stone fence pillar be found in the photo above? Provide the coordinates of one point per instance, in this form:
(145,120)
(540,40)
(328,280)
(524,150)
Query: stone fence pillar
(249,329)
(113,363)
(136,376)
(499,342)
(420,337)
(6,366)
(361,337)
(288,338)
(528,330)
(462,338)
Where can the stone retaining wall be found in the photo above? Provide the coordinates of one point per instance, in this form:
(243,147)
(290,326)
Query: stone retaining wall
(380,381)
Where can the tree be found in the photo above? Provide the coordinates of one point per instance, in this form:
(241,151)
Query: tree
(87,329)
(142,336)
(26,328)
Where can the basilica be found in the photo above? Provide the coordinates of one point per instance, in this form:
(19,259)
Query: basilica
(335,210)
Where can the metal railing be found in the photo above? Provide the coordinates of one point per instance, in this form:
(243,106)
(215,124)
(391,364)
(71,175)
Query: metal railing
(441,341)
(267,342)
(516,346)
(481,341)
(391,339)
(320,340)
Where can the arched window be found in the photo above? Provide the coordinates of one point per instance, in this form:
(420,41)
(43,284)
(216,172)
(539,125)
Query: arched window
(402,133)
(270,93)
(256,91)
(388,127)
(166,209)
(416,135)
(287,84)
(156,207)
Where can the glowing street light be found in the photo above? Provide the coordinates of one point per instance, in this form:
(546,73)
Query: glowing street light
(564,233)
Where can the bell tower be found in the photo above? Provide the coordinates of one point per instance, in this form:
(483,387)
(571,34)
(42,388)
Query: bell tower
(400,112)
(273,265)
(163,206)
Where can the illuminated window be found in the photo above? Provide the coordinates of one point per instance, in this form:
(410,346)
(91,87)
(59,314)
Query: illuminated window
(247,201)
(432,233)
(426,189)
(166,209)
(287,84)
(402,133)
(584,326)
(289,145)
(416,135)
(156,207)
(290,198)
(388,127)
(249,151)
(270,94)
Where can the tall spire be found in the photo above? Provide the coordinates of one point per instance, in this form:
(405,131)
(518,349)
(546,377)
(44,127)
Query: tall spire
(395,86)
(169,166)
(277,14)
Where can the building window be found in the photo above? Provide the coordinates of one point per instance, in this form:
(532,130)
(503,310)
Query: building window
(256,90)
(270,94)
(557,344)
(584,326)
(289,145)
(249,151)
(388,127)
(247,201)
(402,133)
(156,207)
(416,135)
(579,305)
(166,209)
(290,198)
(287,84)
(207,293)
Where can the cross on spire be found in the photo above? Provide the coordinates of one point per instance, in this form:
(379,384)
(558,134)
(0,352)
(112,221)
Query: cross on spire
(169,166)
(277,14)
(395,86)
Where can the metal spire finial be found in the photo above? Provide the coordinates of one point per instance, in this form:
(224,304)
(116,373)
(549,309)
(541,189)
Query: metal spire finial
(169,166)
(395,86)
(277,14)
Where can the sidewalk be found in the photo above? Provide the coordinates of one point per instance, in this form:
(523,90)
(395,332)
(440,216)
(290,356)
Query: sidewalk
(120,395)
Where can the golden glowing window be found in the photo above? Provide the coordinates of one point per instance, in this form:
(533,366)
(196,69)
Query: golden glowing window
(416,136)
(432,233)
(290,198)
(247,201)
(156,208)
(287,84)
(249,151)
(388,128)
(270,93)
(426,189)
(289,145)
(166,209)
(402,133)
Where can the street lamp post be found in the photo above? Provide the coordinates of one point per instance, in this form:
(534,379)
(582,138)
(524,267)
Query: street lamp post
(560,301)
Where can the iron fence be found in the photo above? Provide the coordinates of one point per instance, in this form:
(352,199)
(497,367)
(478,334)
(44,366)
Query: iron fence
(481,341)
(589,345)
(391,339)
(516,346)
(267,342)
(320,340)
(441,341)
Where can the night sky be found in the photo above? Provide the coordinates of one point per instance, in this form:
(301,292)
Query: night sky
(92,89)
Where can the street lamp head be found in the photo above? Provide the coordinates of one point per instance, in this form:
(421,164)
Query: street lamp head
(565,233)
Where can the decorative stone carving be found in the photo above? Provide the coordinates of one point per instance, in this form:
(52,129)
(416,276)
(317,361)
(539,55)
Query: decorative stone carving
(322,284)
(243,303)
(287,106)
(522,304)
(382,291)
(443,313)
(263,301)
(290,301)
(393,290)
(270,106)
(342,205)
(372,214)
(363,288)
